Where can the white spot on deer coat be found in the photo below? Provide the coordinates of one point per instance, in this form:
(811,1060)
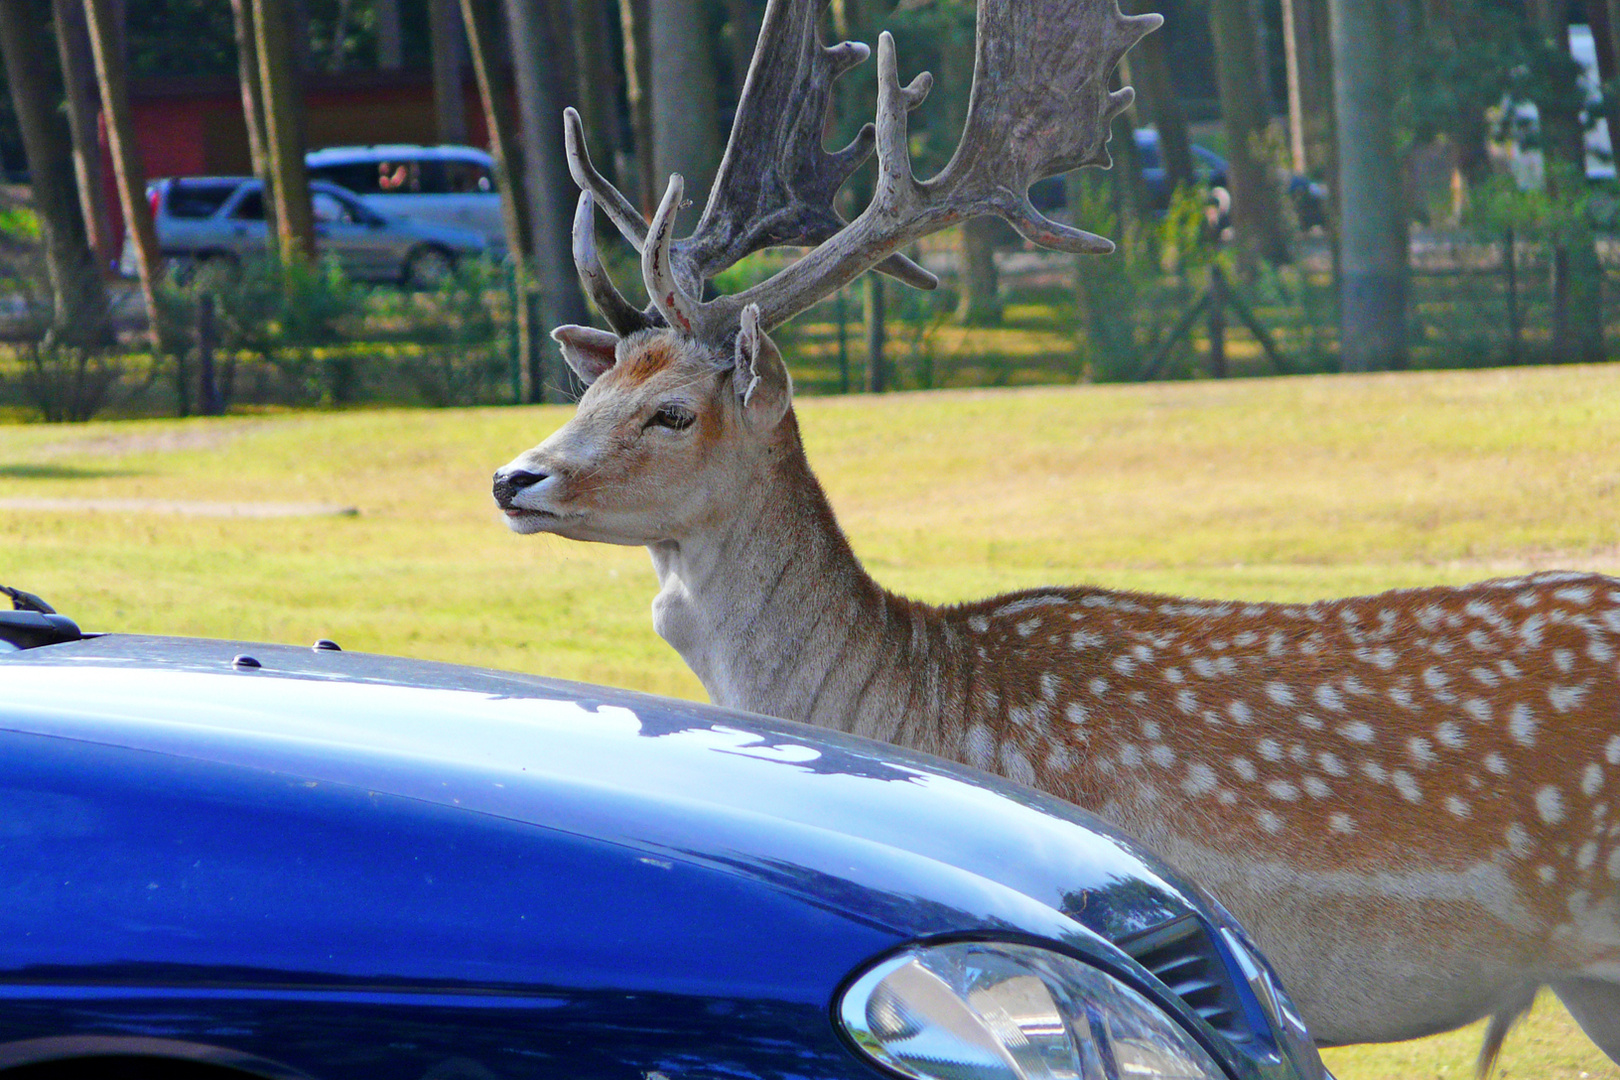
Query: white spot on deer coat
(1611,751)
(1268,821)
(1550,805)
(1407,785)
(1245,769)
(1518,840)
(1186,701)
(1357,731)
(1374,772)
(1332,764)
(1522,725)
(1316,787)
(1496,763)
(1329,698)
(1030,603)
(1028,627)
(979,747)
(1200,780)
(1279,693)
(978,624)
(1613,866)
(1421,750)
(1015,766)
(1401,696)
(1592,780)
(1099,687)
(1162,755)
(1173,675)
(1269,749)
(1282,789)
(1479,709)
(1457,807)
(1130,755)
(1566,698)
(1450,735)
(1081,640)
(1124,665)
(1587,855)
(1342,823)
(1485,675)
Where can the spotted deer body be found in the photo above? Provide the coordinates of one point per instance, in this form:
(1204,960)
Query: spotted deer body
(1411,800)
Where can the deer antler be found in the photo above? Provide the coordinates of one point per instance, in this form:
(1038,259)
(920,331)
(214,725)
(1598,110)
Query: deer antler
(1040,105)
(775,185)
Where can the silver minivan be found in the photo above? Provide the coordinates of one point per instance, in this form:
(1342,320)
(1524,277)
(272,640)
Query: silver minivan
(445,185)
(211,224)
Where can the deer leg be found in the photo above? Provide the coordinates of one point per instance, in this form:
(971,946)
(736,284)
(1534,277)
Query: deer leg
(1595,1005)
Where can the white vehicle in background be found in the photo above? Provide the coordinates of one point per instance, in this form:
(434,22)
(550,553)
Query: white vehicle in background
(443,185)
(1524,158)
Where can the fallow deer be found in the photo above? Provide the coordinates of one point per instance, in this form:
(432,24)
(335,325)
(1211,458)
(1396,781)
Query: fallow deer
(1412,800)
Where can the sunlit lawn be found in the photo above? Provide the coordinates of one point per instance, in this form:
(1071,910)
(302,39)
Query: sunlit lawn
(1279,489)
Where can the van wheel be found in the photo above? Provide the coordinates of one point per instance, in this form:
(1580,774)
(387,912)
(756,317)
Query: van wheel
(428,267)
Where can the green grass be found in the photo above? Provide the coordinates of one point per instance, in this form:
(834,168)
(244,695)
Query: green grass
(1276,489)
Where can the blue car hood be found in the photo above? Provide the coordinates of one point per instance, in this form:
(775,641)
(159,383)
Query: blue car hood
(809,809)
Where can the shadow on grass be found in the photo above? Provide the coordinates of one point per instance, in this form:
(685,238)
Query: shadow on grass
(58,472)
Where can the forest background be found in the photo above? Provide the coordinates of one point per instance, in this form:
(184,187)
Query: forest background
(1356,185)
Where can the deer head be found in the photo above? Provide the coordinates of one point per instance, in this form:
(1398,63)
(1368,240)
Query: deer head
(685,400)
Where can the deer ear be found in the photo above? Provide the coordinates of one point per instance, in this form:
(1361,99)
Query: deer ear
(763,382)
(589,351)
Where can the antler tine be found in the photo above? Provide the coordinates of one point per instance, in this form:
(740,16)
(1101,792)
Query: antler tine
(680,310)
(621,315)
(1040,105)
(619,209)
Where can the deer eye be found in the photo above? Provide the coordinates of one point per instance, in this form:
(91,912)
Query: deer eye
(671,416)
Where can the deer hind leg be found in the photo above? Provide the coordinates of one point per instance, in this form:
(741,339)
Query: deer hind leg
(1595,1005)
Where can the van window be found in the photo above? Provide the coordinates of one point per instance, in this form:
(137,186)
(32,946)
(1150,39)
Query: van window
(251,208)
(359,177)
(194,199)
(468,177)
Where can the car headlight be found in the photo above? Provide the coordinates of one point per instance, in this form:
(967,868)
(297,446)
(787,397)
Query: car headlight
(1002,1011)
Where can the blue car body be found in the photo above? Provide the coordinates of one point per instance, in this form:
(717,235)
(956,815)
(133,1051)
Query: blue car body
(309,862)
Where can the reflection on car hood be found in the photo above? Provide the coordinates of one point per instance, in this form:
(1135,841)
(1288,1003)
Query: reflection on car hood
(691,780)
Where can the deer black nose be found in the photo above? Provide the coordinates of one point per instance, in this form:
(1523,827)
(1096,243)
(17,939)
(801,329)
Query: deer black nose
(507,486)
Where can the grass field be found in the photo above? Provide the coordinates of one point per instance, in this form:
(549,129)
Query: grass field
(1276,489)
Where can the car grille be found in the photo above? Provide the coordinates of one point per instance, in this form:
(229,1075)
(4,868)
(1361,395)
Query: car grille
(1182,956)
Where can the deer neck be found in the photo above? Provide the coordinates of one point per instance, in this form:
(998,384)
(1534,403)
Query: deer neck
(773,612)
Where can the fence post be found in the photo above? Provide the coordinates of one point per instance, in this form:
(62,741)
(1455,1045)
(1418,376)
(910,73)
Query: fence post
(208,384)
(843,341)
(1511,261)
(1217,321)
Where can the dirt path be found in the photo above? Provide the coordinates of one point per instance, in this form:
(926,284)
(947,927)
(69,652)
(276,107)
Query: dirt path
(179,506)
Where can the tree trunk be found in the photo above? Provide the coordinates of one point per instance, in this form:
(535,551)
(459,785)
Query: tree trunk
(550,191)
(596,93)
(390,38)
(1577,273)
(485,43)
(1296,86)
(247,66)
(1255,210)
(980,302)
(107,48)
(83,112)
(634,19)
(449,47)
(876,367)
(1150,74)
(1373,237)
(686,136)
(1604,17)
(283,96)
(78,296)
